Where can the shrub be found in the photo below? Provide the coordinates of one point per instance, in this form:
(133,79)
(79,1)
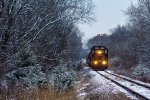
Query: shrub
(29,76)
(63,77)
(77,65)
(115,62)
(142,72)
(26,58)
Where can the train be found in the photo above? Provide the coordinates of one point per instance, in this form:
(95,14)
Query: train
(97,58)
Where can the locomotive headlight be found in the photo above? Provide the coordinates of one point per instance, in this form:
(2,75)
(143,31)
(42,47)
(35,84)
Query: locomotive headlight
(95,62)
(104,62)
(99,52)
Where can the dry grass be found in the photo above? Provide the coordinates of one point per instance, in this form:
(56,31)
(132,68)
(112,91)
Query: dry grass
(118,96)
(53,94)
(37,94)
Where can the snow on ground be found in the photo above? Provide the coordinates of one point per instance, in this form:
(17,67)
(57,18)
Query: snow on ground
(80,87)
(140,82)
(106,86)
(139,89)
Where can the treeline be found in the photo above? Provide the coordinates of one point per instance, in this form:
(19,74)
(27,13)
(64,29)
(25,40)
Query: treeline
(41,33)
(129,45)
(47,27)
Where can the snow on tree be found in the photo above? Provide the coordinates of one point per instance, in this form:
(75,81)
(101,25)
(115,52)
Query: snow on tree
(37,35)
(47,21)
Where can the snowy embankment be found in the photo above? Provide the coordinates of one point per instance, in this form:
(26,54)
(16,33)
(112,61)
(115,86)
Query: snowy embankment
(134,87)
(130,79)
(108,87)
(100,85)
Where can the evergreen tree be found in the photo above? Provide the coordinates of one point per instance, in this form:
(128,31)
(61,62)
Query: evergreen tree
(26,58)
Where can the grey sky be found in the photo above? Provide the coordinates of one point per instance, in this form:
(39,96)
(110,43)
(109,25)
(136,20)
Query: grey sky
(108,13)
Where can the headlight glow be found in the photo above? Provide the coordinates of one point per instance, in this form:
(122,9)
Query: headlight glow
(104,62)
(95,62)
(99,52)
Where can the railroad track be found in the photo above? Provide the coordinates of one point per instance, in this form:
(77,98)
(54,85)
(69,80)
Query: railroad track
(138,88)
(146,85)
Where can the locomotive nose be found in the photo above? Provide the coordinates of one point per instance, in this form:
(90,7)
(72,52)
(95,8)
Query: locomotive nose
(98,58)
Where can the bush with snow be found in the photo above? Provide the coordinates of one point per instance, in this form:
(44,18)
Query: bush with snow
(142,72)
(62,76)
(28,72)
(26,58)
(29,76)
(143,69)
(116,61)
(76,65)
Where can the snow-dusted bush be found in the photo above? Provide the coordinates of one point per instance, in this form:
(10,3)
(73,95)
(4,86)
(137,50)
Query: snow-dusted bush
(62,76)
(77,65)
(26,58)
(116,61)
(32,76)
(142,72)
(73,65)
(29,76)
(28,72)
(143,69)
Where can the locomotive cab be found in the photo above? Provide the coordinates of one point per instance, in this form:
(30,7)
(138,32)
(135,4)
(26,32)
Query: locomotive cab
(97,58)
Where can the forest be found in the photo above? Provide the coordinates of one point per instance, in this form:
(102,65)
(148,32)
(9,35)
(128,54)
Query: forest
(40,41)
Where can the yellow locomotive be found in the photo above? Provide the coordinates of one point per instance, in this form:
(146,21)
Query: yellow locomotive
(97,58)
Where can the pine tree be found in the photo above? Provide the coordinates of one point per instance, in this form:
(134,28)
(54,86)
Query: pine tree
(26,58)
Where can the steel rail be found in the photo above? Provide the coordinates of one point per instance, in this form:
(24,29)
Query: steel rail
(146,85)
(125,87)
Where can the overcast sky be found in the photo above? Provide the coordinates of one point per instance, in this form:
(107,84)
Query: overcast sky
(108,13)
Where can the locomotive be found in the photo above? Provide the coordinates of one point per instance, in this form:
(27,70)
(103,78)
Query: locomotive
(97,58)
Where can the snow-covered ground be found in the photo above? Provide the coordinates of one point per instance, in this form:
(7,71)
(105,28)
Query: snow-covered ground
(99,84)
(108,87)
(136,88)
(128,78)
